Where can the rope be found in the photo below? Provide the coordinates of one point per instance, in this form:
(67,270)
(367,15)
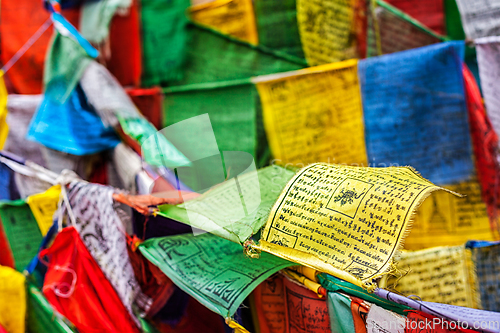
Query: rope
(29,43)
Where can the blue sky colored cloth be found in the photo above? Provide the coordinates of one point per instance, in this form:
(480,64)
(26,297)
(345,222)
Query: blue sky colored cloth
(415,112)
(72,127)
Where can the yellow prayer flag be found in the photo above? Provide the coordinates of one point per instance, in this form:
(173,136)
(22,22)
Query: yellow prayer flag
(441,274)
(314,115)
(12,300)
(4,127)
(43,206)
(343,220)
(326,29)
(232,17)
(445,220)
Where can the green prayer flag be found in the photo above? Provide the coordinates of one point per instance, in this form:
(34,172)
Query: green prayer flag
(277,26)
(454,28)
(214,57)
(164,37)
(156,149)
(64,66)
(22,231)
(225,213)
(339,310)
(231,108)
(235,115)
(213,270)
(455,31)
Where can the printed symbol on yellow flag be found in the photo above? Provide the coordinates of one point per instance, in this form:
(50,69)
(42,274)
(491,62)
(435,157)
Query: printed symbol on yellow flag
(346,199)
(4,128)
(343,220)
(43,206)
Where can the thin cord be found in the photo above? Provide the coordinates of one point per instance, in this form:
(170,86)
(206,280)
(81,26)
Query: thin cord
(26,46)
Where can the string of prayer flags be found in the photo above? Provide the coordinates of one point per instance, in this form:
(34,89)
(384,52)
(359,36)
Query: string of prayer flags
(480,18)
(278,27)
(442,274)
(214,57)
(396,31)
(236,209)
(343,220)
(446,220)
(326,30)
(429,12)
(12,300)
(486,259)
(4,127)
(233,17)
(72,127)
(43,206)
(420,115)
(102,231)
(77,288)
(468,317)
(299,115)
(214,271)
(164,40)
(425,105)
(22,231)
